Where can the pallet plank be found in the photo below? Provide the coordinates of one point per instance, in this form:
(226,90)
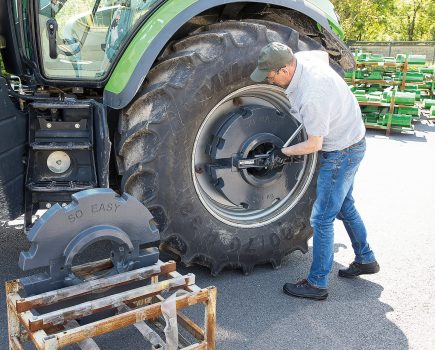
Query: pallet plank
(12,288)
(38,338)
(86,344)
(191,288)
(106,303)
(126,319)
(92,267)
(14,343)
(197,346)
(210,318)
(146,331)
(52,297)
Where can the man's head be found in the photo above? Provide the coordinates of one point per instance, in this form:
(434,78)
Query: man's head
(276,63)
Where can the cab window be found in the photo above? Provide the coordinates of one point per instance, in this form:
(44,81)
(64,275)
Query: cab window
(80,38)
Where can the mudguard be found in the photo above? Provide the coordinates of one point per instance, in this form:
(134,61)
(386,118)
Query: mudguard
(13,149)
(144,48)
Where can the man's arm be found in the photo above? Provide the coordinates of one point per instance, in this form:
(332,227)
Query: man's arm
(311,145)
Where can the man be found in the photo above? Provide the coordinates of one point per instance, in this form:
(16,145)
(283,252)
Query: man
(323,103)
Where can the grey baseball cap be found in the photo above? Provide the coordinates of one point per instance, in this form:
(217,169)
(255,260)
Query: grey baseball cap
(272,57)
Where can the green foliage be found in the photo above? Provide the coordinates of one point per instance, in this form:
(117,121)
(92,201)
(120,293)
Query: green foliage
(382,20)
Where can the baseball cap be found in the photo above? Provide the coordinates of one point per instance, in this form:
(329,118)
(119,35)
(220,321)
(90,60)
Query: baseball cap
(272,57)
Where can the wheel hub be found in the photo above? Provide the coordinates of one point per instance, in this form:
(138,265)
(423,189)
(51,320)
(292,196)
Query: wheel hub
(231,180)
(247,132)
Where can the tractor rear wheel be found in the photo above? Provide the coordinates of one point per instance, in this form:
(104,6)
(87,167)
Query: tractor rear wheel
(197,109)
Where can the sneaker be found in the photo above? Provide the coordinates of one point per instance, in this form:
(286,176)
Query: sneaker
(303,289)
(356,269)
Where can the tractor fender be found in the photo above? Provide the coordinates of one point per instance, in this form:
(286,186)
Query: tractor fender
(139,56)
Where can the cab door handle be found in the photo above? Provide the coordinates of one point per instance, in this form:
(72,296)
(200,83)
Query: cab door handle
(52,30)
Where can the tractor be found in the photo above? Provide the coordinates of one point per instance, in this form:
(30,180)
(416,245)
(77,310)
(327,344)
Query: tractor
(153,98)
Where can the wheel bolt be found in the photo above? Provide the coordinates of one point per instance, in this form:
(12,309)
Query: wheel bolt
(198,170)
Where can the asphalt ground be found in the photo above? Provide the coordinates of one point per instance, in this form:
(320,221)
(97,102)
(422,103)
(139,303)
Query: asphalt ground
(394,309)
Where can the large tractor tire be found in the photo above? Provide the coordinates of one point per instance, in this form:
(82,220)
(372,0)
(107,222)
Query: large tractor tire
(196,109)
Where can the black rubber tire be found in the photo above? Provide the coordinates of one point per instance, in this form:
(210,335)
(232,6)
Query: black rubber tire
(157,133)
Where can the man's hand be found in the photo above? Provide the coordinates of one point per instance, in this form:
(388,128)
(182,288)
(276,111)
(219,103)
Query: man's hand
(277,159)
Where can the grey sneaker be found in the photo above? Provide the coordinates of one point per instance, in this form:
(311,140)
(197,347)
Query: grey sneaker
(356,269)
(303,289)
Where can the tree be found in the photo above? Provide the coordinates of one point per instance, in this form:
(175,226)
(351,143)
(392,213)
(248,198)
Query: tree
(379,20)
(415,19)
(364,19)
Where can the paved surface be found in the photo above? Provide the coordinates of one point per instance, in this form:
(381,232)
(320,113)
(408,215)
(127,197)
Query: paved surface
(395,309)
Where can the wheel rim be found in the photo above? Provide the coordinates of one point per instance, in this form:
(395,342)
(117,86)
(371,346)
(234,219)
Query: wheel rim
(239,199)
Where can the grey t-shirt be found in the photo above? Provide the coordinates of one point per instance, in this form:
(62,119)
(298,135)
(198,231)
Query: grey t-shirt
(321,100)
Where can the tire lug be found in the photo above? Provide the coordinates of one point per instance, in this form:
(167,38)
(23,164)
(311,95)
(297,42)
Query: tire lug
(199,170)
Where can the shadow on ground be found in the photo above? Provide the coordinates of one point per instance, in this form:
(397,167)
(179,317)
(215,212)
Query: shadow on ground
(421,128)
(254,313)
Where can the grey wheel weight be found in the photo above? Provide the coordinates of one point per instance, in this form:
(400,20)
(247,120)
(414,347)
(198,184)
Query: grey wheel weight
(156,142)
(94,215)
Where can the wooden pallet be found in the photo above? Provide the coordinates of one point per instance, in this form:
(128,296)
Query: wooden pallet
(139,306)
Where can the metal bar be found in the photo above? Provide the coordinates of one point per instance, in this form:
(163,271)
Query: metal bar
(293,136)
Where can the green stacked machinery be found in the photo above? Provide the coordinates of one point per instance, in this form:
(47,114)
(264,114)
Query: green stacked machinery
(377,79)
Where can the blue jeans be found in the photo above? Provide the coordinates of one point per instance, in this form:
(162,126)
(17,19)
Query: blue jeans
(334,200)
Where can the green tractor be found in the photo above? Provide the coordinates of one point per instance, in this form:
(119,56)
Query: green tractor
(153,98)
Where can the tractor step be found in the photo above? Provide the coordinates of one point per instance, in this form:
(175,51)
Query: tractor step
(55,146)
(76,314)
(59,186)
